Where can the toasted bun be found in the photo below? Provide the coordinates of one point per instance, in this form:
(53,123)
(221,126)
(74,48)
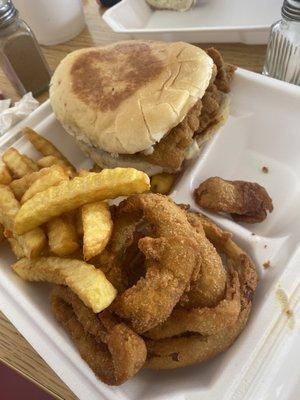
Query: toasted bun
(107,160)
(126,96)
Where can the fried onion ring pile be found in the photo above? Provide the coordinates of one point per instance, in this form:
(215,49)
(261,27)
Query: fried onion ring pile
(185,292)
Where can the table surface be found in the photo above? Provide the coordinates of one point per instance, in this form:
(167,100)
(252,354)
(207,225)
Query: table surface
(15,351)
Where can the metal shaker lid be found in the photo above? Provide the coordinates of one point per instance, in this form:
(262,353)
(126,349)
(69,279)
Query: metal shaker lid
(291,10)
(8,13)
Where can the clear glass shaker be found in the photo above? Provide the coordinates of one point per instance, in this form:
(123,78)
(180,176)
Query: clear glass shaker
(20,56)
(283,52)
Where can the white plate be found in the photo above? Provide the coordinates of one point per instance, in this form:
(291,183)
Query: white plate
(210,21)
(263,130)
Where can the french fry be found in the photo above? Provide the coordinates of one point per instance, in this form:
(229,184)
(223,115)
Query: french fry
(69,195)
(97,228)
(62,235)
(19,186)
(162,183)
(5,177)
(30,163)
(33,241)
(16,163)
(44,146)
(49,161)
(2,237)
(53,177)
(89,283)
(79,226)
(16,248)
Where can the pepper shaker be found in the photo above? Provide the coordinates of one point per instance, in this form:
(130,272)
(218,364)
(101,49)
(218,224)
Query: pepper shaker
(20,56)
(283,52)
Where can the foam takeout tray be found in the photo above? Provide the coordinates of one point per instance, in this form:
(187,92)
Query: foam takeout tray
(209,21)
(262,130)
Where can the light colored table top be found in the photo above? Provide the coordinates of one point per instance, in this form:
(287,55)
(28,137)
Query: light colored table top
(14,349)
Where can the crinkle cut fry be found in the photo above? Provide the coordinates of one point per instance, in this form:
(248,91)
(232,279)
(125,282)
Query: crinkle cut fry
(198,348)
(113,351)
(172,259)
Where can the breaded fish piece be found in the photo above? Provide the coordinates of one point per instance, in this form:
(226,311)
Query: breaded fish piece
(203,320)
(113,351)
(209,288)
(179,352)
(172,261)
(244,201)
(184,350)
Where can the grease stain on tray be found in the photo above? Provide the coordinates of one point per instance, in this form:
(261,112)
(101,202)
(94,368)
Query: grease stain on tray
(285,307)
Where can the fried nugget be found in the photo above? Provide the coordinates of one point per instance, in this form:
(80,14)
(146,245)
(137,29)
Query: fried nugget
(244,201)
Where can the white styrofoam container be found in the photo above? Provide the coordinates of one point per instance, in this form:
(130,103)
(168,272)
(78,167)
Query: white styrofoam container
(263,130)
(209,21)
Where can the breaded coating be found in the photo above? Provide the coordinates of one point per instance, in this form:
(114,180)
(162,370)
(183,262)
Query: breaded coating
(170,263)
(203,320)
(209,288)
(170,150)
(244,201)
(172,260)
(225,71)
(113,351)
(179,351)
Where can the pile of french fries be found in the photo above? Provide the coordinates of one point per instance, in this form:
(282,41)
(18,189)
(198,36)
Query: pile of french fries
(56,220)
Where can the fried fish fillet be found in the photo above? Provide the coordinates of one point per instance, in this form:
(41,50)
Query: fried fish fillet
(181,351)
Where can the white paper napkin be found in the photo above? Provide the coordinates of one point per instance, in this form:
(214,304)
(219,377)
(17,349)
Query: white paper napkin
(9,116)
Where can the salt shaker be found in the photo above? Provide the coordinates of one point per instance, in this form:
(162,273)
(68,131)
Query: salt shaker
(283,52)
(20,56)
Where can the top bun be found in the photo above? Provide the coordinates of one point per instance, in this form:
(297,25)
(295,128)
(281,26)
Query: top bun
(124,97)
